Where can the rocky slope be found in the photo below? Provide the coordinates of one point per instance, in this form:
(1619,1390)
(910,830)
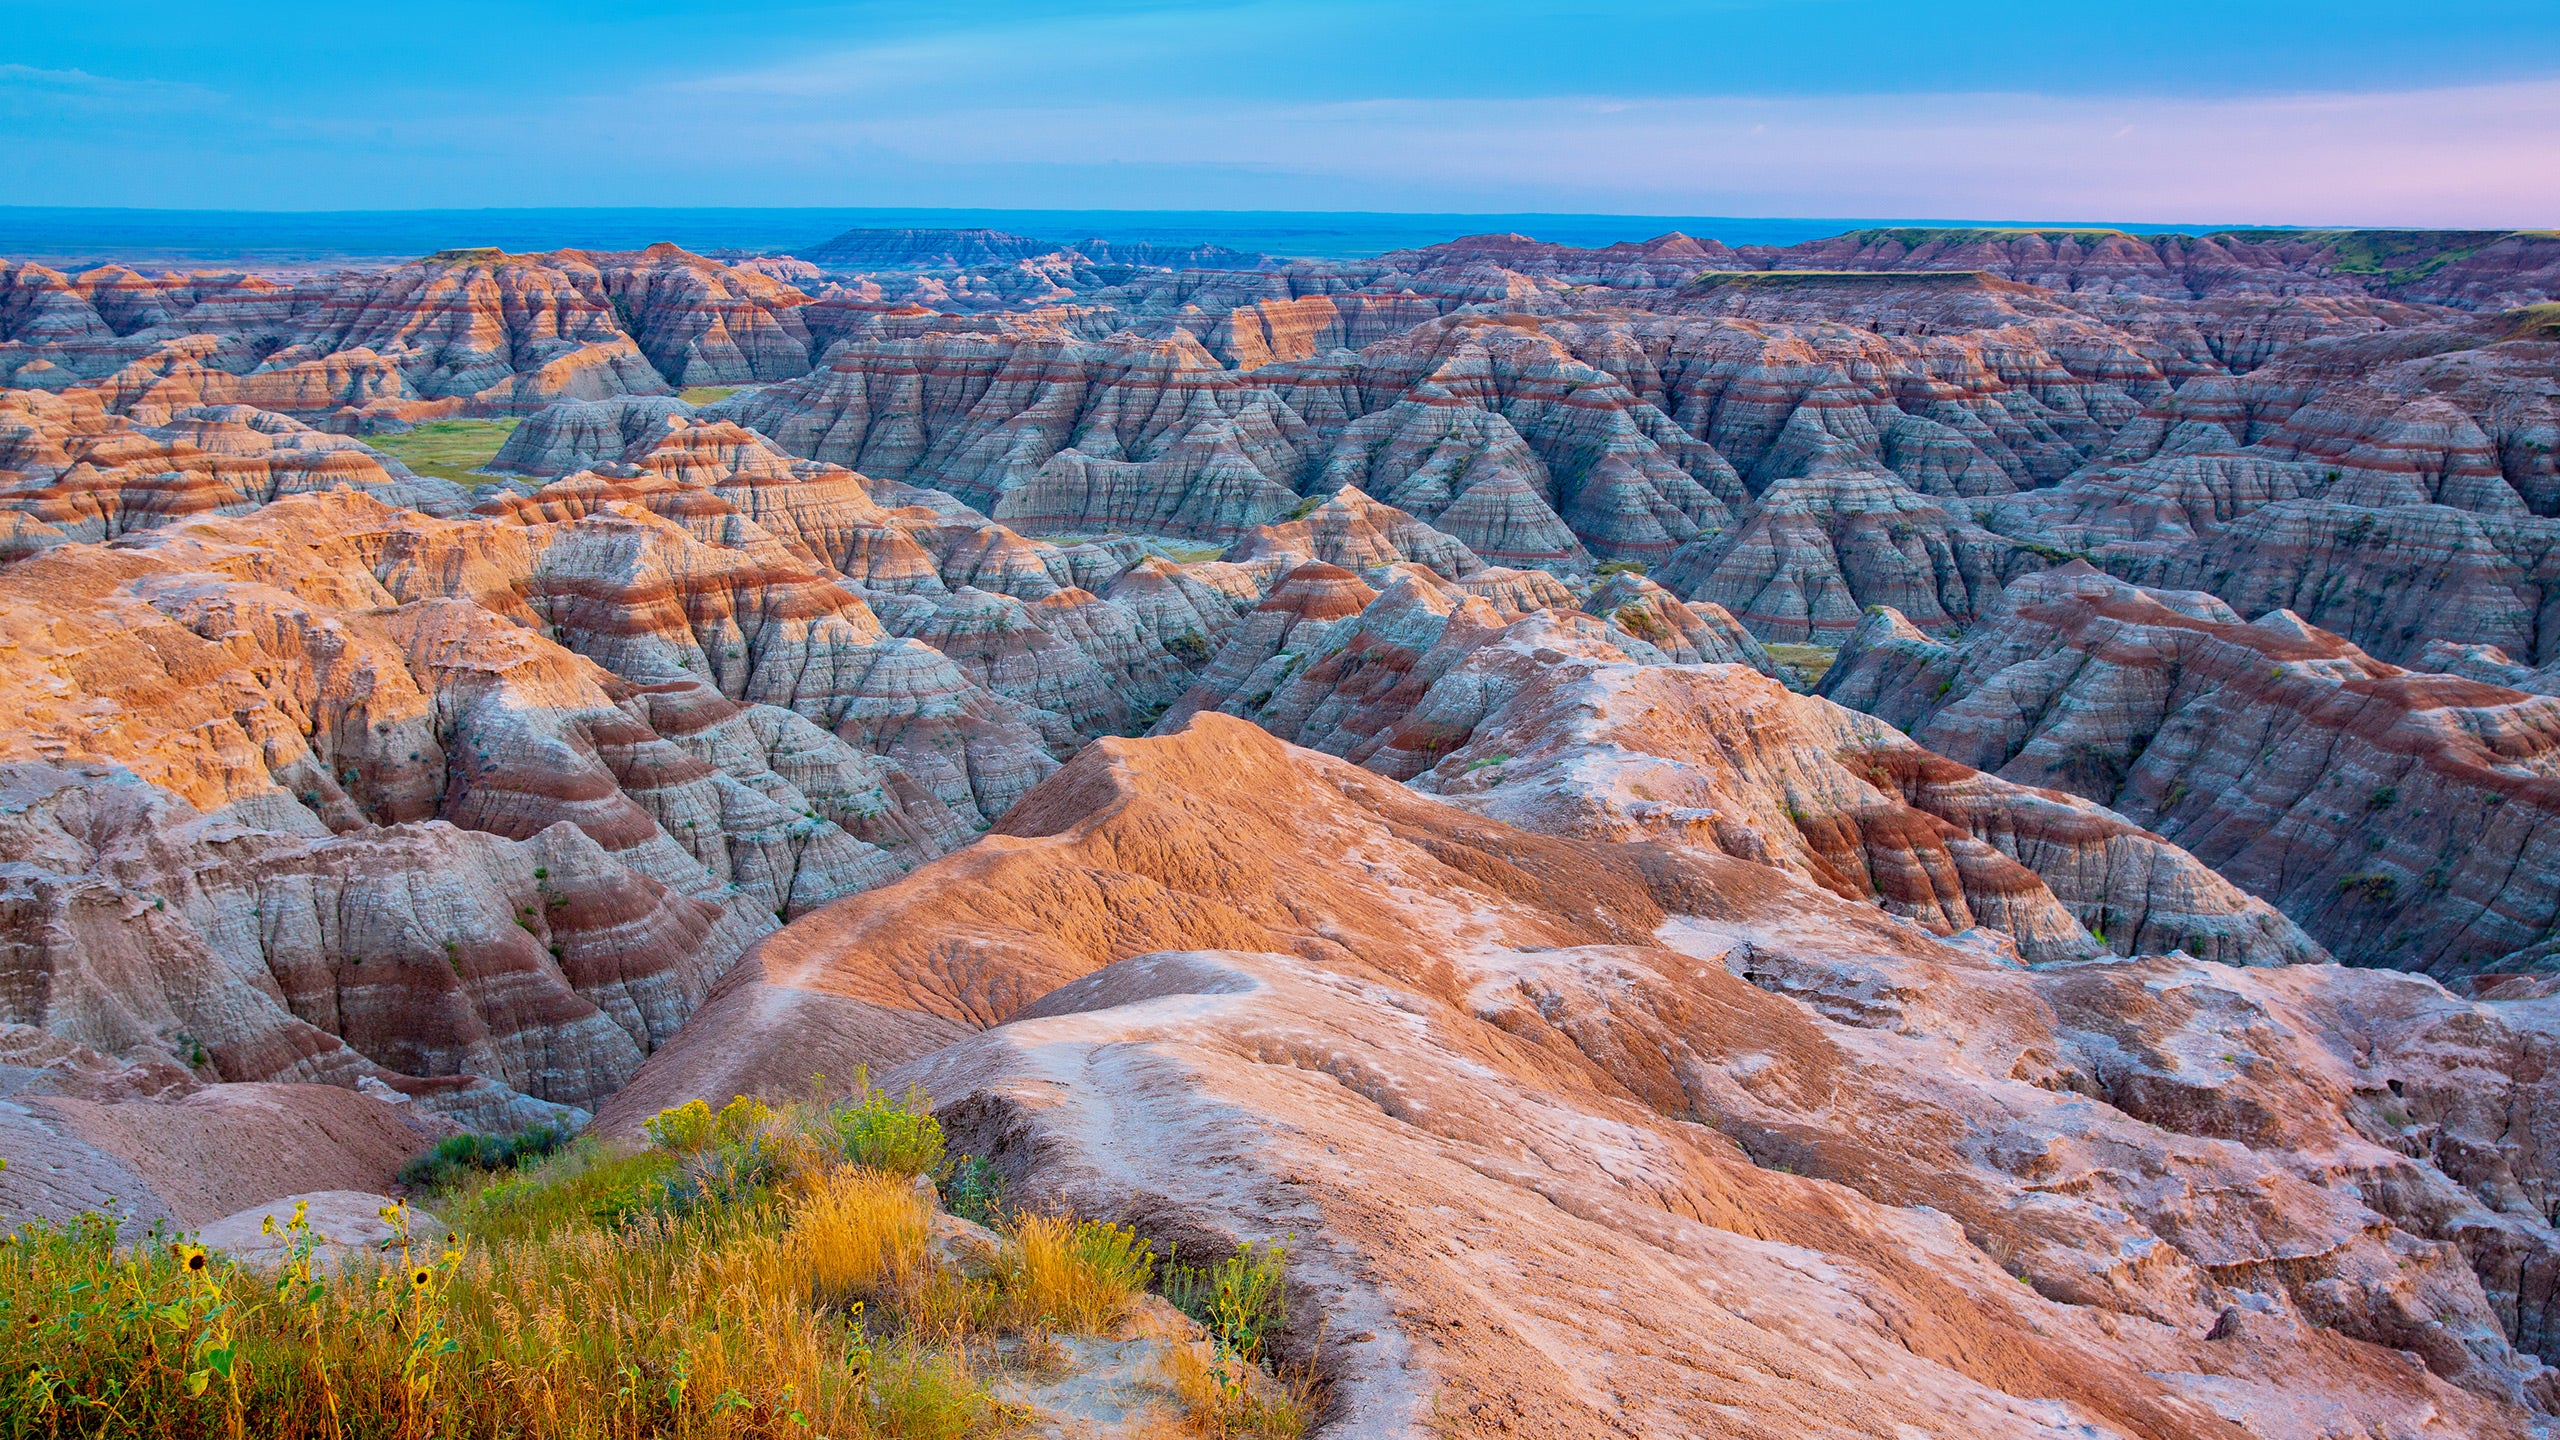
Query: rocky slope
(2403,818)
(339,787)
(150,1142)
(1566,722)
(71,471)
(2396,489)
(474,332)
(1680,1143)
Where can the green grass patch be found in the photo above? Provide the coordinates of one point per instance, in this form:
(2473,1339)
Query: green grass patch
(448,449)
(2396,257)
(2533,322)
(458,1154)
(742,1275)
(705,394)
(1811,661)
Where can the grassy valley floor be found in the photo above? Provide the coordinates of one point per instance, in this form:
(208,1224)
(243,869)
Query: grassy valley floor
(448,449)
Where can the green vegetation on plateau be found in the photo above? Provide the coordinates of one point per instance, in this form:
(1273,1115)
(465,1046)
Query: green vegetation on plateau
(2398,257)
(2534,322)
(705,394)
(1867,279)
(1915,236)
(447,449)
(1811,661)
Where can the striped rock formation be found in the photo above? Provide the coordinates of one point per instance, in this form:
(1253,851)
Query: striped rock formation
(2402,818)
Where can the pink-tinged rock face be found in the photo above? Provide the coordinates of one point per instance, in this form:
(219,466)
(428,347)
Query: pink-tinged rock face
(80,475)
(467,331)
(2366,801)
(1818,549)
(1351,531)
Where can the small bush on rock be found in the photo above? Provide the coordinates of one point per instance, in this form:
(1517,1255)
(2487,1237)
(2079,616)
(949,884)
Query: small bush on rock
(974,1191)
(1240,1299)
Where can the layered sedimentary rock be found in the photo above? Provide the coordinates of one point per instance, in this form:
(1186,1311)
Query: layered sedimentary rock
(2394,489)
(2402,818)
(464,331)
(1043,432)
(1815,550)
(575,435)
(1546,442)
(1684,634)
(321,777)
(496,796)
(1566,735)
(464,321)
(1210,945)
(69,473)
(1354,532)
(1579,724)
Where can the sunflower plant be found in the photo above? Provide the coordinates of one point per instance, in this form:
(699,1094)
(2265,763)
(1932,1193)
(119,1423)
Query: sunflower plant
(414,1291)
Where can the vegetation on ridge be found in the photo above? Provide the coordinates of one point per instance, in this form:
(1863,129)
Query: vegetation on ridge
(750,1272)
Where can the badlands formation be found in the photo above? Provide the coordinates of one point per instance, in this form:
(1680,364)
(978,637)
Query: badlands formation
(1927,833)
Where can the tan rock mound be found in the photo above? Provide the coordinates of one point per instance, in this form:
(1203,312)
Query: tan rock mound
(346,1227)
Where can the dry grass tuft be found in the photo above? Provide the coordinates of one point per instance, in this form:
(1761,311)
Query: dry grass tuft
(1069,1274)
(1224,1395)
(859,1234)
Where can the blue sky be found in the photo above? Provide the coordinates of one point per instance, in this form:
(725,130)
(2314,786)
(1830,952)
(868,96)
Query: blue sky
(2348,112)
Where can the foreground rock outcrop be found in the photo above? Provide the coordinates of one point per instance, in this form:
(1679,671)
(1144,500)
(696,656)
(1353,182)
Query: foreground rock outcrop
(1220,988)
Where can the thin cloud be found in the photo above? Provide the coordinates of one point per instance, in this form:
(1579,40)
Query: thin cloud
(61,83)
(2463,155)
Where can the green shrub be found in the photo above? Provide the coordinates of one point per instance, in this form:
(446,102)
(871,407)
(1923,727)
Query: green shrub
(581,1186)
(1620,567)
(693,1126)
(682,1129)
(741,1119)
(455,1155)
(895,1135)
(974,1191)
(1239,1299)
